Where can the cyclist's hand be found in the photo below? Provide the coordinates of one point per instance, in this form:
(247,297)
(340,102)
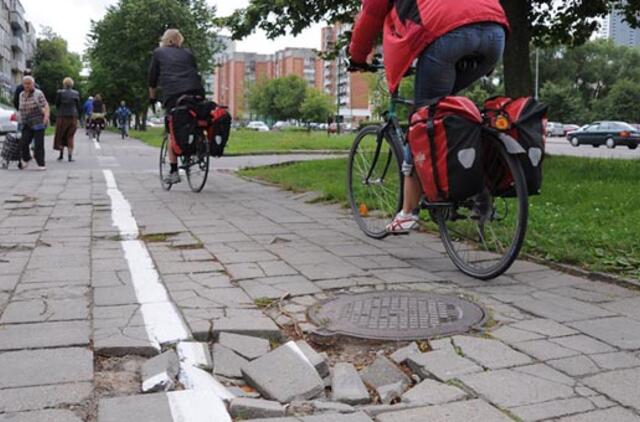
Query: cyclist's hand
(359,67)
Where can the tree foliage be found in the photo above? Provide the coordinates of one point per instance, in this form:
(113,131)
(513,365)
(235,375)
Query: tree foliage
(622,102)
(53,62)
(545,22)
(279,99)
(120,45)
(316,107)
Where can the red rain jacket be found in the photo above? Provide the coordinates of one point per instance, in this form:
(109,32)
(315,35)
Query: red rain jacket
(410,26)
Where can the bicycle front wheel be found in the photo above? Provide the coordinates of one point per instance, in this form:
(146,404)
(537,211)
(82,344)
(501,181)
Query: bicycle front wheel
(196,165)
(483,235)
(374,181)
(165,166)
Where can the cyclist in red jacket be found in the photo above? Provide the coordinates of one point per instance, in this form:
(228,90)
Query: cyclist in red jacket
(456,43)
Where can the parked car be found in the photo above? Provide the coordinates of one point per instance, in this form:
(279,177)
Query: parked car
(610,134)
(258,126)
(570,128)
(8,120)
(555,129)
(281,125)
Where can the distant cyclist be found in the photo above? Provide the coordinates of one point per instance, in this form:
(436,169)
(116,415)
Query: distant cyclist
(456,43)
(98,120)
(87,110)
(123,116)
(174,70)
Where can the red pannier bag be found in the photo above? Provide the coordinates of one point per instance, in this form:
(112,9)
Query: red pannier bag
(219,131)
(446,143)
(528,125)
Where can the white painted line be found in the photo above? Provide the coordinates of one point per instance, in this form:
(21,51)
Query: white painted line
(296,349)
(96,144)
(162,320)
(197,406)
(197,379)
(162,378)
(195,354)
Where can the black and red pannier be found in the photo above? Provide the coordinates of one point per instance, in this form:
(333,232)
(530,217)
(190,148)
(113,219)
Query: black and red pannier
(525,120)
(182,122)
(219,131)
(446,143)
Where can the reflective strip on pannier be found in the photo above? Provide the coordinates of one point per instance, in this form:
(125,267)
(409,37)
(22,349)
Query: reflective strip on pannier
(446,143)
(527,125)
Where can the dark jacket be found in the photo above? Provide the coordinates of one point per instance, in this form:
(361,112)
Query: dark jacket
(68,103)
(410,26)
(175,72)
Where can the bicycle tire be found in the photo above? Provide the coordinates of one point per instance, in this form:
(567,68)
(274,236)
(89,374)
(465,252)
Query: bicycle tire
(387,165)
(520,199)
(164,164)
(203,160)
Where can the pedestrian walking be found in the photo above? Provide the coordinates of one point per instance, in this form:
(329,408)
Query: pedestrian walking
(68,107)
(34,115)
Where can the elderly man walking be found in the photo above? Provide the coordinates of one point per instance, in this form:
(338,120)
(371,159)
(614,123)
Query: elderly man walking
(34,115)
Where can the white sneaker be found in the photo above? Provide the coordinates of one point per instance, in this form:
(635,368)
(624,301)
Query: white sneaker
(41,168)
(403,223)
(172,178)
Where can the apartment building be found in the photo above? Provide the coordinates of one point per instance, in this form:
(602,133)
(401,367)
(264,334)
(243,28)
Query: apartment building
(17,44)
(351,90)
(237,71)
(615,28)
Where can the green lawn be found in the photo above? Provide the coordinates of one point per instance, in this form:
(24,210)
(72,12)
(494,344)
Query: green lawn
(247,142)
(588,214)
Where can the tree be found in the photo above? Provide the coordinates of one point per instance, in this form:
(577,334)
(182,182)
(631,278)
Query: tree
(279,99)
(316,107)
(564,102)
(545,22)
(120,45)
(53,62)
(622,102)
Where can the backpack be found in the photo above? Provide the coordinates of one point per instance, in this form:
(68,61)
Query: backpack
(446,143)
(219,131)
(527,124)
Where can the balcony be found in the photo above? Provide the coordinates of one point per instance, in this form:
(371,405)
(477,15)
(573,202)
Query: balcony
(17,21)
(17,43)
(17,65)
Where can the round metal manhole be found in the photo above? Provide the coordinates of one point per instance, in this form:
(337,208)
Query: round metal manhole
(396,316)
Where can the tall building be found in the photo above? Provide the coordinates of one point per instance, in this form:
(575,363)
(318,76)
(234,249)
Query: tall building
(615,28)
(350,90)
(236,72)
(17,44)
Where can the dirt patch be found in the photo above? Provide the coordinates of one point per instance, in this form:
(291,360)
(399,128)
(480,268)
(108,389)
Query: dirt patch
(116,377)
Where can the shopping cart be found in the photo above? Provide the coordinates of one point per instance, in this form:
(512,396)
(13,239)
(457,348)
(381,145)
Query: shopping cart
(10,150)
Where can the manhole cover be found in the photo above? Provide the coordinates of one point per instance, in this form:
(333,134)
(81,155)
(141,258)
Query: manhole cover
(390,315)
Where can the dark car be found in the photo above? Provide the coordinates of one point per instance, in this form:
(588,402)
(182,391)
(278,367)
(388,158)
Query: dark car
(610,134)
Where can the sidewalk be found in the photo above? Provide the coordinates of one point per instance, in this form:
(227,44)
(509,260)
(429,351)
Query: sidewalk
(77,318)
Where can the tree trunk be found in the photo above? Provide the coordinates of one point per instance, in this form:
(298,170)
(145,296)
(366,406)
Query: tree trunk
(518,79)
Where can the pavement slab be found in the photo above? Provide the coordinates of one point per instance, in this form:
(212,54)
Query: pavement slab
(621,332)
(43,310)
(490,354)
(464,411)
(49,334)
(621,386)
(444,365)
(43,397)
(430,392)
(616,414)
(52,415)
(347,386)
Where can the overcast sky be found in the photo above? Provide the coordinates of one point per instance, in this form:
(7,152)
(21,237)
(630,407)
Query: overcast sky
(71,19)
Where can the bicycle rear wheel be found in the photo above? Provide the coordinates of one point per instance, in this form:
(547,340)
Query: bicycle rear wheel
(483,235)
(196,165)
(165,166)
(375,181)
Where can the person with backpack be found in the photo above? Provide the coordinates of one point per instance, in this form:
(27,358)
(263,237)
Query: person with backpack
(123,115)
(456,43)
(87,110)
(174,70)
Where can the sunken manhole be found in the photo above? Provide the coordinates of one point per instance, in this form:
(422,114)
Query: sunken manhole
(396,316)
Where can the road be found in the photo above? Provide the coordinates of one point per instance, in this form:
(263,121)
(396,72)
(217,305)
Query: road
(560,146)
(100,270)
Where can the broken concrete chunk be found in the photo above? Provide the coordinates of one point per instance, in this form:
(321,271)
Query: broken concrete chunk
(347,386)
(226,362)
(195,354)
(401,355)
(246,346)
(330,407)
(386,378)
(285,375)
(160,372)
(318,360)
(246,408)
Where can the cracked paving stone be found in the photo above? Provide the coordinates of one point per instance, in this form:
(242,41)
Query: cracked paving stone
(464,411)
(227,363)
(433,392)
(545,327)
(37,398)
(552,409)
(617,414)
(490,354)
(45,310)
(43,367)
(616,360)
(559,308)
(347,386)
(583,344)
(576,366)
(621,332)
(51,415)
(246,346)
(545,350)
(444,365)
(621,386)
(124,341)
(508,388)
(386,378)
(48,334)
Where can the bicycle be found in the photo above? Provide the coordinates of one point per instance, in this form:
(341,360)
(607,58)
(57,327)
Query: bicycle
(482,235)
(195,163)
(94,129)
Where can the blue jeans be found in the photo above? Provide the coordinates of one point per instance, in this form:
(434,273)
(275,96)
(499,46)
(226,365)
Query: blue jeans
(439,74)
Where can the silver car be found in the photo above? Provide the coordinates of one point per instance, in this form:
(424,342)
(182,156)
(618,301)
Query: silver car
(8,119)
